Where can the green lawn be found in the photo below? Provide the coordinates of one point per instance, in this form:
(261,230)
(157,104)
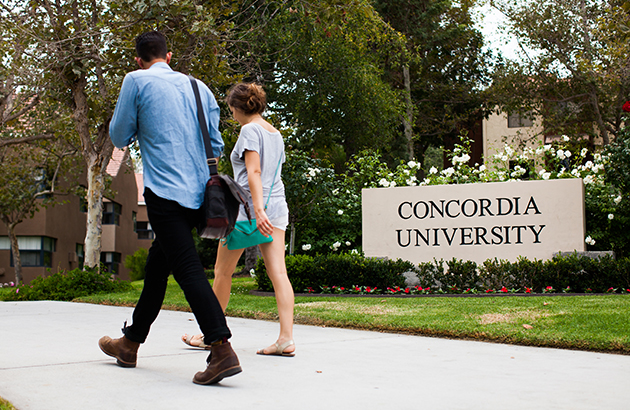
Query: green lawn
(599,323)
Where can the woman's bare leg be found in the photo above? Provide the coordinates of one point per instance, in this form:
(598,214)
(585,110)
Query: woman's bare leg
(223,269)
(273,254)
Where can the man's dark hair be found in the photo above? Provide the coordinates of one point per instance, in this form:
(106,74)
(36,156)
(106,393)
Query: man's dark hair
(151,45)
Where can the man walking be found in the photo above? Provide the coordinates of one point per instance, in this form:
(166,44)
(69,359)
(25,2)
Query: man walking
(156,107)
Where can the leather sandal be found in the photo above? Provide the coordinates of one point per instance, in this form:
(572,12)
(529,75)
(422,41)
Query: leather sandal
(280,350)
(202,345)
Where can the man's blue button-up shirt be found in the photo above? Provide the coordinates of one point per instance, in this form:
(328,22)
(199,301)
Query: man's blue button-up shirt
(157,107)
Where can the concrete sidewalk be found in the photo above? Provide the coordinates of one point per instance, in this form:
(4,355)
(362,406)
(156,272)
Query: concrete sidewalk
(50,360)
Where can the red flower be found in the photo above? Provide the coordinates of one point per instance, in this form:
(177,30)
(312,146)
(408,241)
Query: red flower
(504,289)
(626,106)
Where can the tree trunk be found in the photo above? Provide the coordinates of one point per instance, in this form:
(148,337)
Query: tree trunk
(15,250)
(292,239)
(408,120)
(94,229)
(96,154)
(251,258)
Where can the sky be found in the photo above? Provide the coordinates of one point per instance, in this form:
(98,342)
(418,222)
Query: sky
(489,20)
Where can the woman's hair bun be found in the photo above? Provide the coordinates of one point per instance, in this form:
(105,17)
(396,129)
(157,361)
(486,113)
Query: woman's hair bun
(250,98)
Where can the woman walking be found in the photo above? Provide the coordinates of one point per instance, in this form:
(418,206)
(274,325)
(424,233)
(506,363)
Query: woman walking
(257,161)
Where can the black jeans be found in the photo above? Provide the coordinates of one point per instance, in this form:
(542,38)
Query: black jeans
(173,250)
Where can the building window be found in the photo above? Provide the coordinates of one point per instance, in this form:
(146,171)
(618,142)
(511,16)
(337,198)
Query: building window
(34,250)
(82,195)
(111,261)
(80,255)
(111,213)
(144,230)
(518,120)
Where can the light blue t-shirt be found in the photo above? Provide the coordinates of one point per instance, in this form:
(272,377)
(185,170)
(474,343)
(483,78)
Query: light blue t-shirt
(157,107)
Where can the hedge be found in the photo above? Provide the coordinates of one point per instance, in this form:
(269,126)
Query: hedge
(345,273)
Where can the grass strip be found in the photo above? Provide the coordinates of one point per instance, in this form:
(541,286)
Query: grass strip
(5,405)
(595,323)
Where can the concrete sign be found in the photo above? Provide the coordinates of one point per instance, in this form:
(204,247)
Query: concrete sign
(475,222)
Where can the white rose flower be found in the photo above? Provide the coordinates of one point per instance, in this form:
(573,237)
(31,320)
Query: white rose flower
(546,175)
(348,243)
(589,240)
(583,152)
(252,273)
(560,154)
(547,147)
(354,252)
(618,199)
(412,164)
(433,170)
(383,182)
(306,247)
(611,216)
(482,168)
(392,184)
(336,245)
(565,138)
(448,172)
(567,153)
(340,212)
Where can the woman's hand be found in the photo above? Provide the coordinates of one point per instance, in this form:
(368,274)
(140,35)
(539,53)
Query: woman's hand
(263,223)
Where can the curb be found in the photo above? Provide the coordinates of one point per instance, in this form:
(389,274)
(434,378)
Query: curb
(433,295)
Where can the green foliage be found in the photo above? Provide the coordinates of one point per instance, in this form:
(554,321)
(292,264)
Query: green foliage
(67,286)
(345,270)
(325,208)
(575,77)
(136,263)
(579,274)
(326,79)
(447,63)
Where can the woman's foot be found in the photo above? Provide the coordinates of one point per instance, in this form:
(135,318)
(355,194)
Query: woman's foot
(195,341)
(285,349)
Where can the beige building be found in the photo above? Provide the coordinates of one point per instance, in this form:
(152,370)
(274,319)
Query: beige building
(514,130)
(54,238)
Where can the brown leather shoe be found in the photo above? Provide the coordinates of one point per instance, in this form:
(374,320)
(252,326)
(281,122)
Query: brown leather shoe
(223,363)
(124,350)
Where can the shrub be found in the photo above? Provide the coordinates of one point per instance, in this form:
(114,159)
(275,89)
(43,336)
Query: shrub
(136,263)
(342,270)
(68,286)
(578,273)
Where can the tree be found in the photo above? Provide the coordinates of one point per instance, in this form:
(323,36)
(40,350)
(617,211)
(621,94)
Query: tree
(81,51)
(32,156)
(28,182)
(576,73)
(444,72)
(322,63)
